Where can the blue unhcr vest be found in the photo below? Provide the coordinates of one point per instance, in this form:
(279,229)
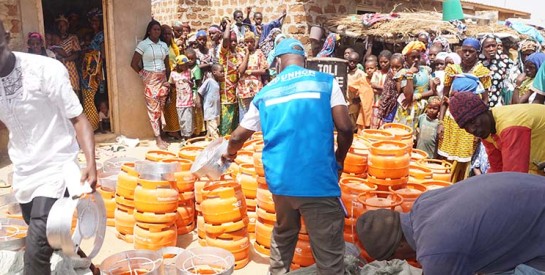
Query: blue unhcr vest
(297,125)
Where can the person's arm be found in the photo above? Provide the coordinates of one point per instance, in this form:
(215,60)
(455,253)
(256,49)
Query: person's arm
(516,99)
(136,61)
(167,66)
(343,124)
(494,157)
(515,149)
(280,19)
(226,34)
(244,63)
(86,141)
(262,65)
(247,19)
(369,49)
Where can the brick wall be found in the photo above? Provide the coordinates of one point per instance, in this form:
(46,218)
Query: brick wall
(10,14)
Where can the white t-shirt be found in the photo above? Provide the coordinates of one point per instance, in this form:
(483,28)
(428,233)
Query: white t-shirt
(251,121)
(36,104)
(153,54)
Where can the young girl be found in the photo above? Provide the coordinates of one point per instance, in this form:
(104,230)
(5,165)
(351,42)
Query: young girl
(104,117)
(35,44)
(388,100)
(181,80)
(438,74)
(377,83)
(426,130)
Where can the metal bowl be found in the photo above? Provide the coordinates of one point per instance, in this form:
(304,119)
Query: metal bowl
(147,261)
(212,259)
(150,170)
(12,234)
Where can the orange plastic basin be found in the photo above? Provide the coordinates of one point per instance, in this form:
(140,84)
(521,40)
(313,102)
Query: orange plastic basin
(124,221)
(158,155)
(351,187)
(409,194)
(190,152)
(154,236)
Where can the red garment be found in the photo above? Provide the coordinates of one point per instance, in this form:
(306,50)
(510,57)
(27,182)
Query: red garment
(510,150)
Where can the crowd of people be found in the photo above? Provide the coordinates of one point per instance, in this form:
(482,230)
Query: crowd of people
(80,47)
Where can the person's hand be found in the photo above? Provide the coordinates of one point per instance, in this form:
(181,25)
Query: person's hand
(284,12)
(437,81)
(414,68)
(227,157)
(89,175)
(445,100)
(166,84)
(248,9)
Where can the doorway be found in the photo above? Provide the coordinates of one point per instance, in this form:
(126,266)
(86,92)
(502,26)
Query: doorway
(85,35)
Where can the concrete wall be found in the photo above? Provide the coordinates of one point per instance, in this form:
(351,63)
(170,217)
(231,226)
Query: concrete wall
(126,23)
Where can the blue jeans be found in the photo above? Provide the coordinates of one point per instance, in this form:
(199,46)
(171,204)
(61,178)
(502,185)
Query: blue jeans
(522,269)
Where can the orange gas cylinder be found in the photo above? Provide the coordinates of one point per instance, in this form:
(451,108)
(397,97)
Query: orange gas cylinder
(237,242)
(389,160)
(154,236)
(349,233)
(201,230)
(356,161)
(190,152)
(409,194)
(258,164)
(302,256)
(385,184)
(418,174)
(123,202)
(266,216)
(436,184)
(109,201)
(402,132)
(248,180)
(158,155)
(263,235)
(249,144)
(373,200)
(198,141)
(150,217)
(124,220)
(185,219)
(252,217)
(185,164)
(244,156)
(185,180)
(351,187)
(264,196)
(223,202)
(126,181)
(441,169)
(417,155)
(156,196)
(373,135)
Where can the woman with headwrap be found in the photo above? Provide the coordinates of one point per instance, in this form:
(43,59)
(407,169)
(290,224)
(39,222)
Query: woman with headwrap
(172,125)
(253,66)
(470,76)
(499,65)
(215,35)
(92,69)
(228,58)
(526,48)
(443,43)
(35,43)
(71,52)
(329,46)
(270,56)
(523,93)
(413,83)
(453,58)
(267,45)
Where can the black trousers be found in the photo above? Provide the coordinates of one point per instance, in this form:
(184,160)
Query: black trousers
(37,250)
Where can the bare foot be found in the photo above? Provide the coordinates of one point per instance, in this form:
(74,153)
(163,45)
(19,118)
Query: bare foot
(163,145)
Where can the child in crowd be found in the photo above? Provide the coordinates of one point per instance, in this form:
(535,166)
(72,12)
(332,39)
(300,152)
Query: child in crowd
(377,83)
(180,79)
(354,87)
(196,77)
(371,58)
(347,53)
(104,117)
(210,92)
(438,74)
(366,97)
(426,129)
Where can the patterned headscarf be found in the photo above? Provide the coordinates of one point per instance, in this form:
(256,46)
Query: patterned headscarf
(329,46)
(62,18)
(487,36)
(537,59)
(444,43)
(201,33)
(472,42)
(267,44)
(413,46)
(455,58)
(94,13)
(36,35)
(441,56)
(528,44)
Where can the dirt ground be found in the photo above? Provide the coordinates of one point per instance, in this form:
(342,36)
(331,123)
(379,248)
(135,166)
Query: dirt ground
(105,143)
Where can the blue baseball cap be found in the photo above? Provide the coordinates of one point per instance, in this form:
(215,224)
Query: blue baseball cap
(289,46)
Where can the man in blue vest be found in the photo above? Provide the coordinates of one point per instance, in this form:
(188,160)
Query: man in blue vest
(297,113)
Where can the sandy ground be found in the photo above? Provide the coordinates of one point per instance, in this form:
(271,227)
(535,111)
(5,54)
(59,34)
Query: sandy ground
(258,262)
